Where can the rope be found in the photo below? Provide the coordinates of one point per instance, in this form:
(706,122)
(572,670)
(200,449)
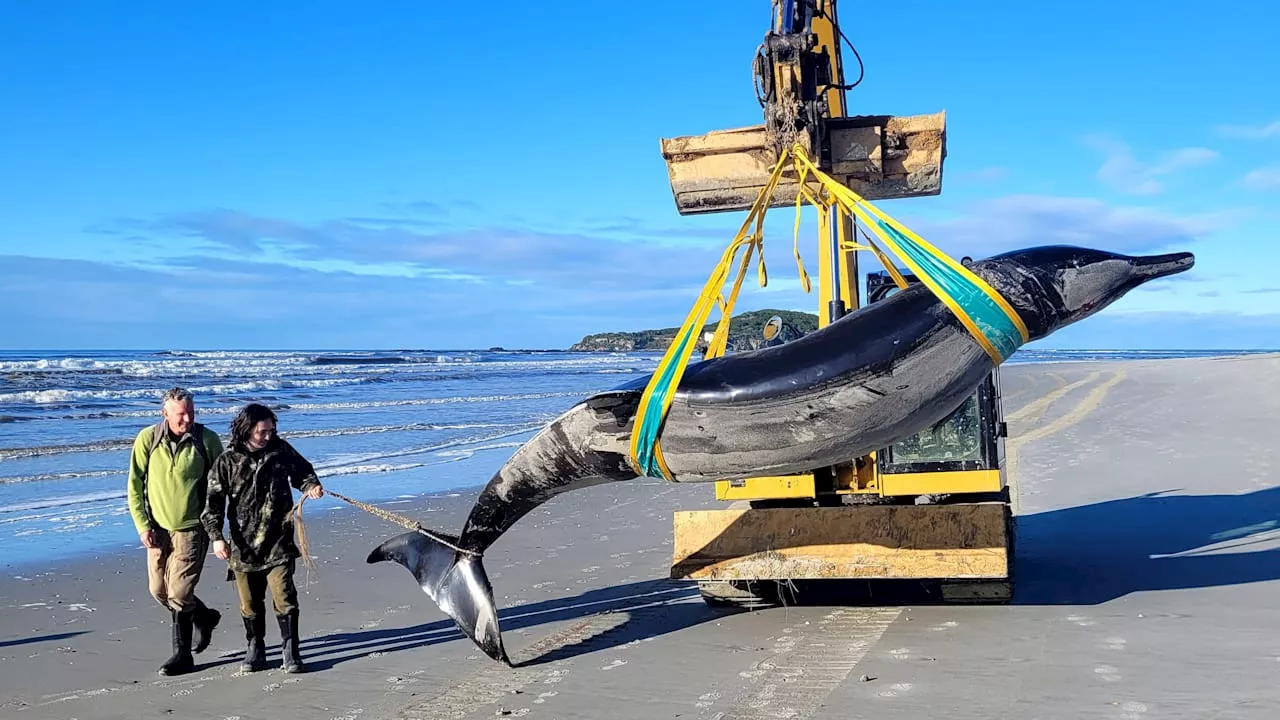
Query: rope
(407,523)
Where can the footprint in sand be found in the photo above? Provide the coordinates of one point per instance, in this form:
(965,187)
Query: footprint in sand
(1107,673)
(895,690)
(1133,710)
(99,691)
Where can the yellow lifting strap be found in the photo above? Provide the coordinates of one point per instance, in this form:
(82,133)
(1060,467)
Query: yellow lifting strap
(987,316)
(646,453)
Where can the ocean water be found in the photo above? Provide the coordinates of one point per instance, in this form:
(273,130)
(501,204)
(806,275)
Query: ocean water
(378,426)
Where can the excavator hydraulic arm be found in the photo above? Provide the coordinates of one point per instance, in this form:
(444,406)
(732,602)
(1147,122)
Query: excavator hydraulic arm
(798,72)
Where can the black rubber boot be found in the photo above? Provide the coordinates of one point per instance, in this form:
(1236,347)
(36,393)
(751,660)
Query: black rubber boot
(255,656)
(206,619)
(181,661)
(292,661)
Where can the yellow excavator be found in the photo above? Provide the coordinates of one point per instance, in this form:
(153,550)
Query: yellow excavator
(934,508)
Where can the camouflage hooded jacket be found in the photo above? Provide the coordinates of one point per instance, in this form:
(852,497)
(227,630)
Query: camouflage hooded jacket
(254,491)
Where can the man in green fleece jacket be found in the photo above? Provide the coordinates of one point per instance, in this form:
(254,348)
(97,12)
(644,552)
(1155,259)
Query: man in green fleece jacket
(167,483)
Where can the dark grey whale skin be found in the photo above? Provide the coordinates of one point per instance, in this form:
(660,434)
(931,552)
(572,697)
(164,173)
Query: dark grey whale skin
(866,381)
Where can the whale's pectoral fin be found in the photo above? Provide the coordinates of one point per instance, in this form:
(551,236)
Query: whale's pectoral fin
(456,581)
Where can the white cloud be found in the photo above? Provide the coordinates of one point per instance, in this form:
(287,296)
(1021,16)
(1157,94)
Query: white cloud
(78,304)
(477,254)
(1018,221)
(1251,132)
(1262,179)
(339,282)
(1124,172)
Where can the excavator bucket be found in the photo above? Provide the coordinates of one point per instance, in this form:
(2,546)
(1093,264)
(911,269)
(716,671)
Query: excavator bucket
(879,157)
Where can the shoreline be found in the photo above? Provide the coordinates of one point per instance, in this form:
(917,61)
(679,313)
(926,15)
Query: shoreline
(482,464)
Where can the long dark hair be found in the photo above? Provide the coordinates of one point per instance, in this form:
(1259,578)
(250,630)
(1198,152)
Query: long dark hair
(242,425)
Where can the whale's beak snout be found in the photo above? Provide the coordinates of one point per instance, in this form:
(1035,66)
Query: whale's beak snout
(1151,267)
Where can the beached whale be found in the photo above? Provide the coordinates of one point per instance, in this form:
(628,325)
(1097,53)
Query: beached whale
(869,380)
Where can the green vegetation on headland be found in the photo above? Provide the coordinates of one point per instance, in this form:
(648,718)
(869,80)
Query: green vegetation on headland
(745,333)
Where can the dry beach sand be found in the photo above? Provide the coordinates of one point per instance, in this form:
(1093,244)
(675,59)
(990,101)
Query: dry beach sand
(1146,563)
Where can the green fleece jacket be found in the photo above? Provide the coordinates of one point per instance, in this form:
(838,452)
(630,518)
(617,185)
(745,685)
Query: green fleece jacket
(174,483)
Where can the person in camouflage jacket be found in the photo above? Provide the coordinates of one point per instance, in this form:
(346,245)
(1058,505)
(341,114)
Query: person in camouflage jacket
(251,485)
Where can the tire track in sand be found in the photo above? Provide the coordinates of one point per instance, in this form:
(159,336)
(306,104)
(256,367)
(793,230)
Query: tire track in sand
(497,682)
(1037,407)
(549,661)
(794,682)
(1011,399)
(1082,410)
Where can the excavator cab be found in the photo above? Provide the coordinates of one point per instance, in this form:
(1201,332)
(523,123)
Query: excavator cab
(963,453)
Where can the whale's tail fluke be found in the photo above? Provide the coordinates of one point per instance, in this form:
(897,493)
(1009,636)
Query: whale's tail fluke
(455,580)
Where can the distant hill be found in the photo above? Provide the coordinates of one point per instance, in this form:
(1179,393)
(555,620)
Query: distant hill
(745,333)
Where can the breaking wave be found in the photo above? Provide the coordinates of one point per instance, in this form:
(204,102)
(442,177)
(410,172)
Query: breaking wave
(125,443)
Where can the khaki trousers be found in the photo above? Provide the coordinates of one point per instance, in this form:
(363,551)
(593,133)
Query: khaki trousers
(173,568)
(252,587)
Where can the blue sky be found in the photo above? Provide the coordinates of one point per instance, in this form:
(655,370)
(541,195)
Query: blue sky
(253,176)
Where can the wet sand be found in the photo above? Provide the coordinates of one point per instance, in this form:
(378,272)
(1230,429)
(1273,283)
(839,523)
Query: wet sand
(1149,513)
